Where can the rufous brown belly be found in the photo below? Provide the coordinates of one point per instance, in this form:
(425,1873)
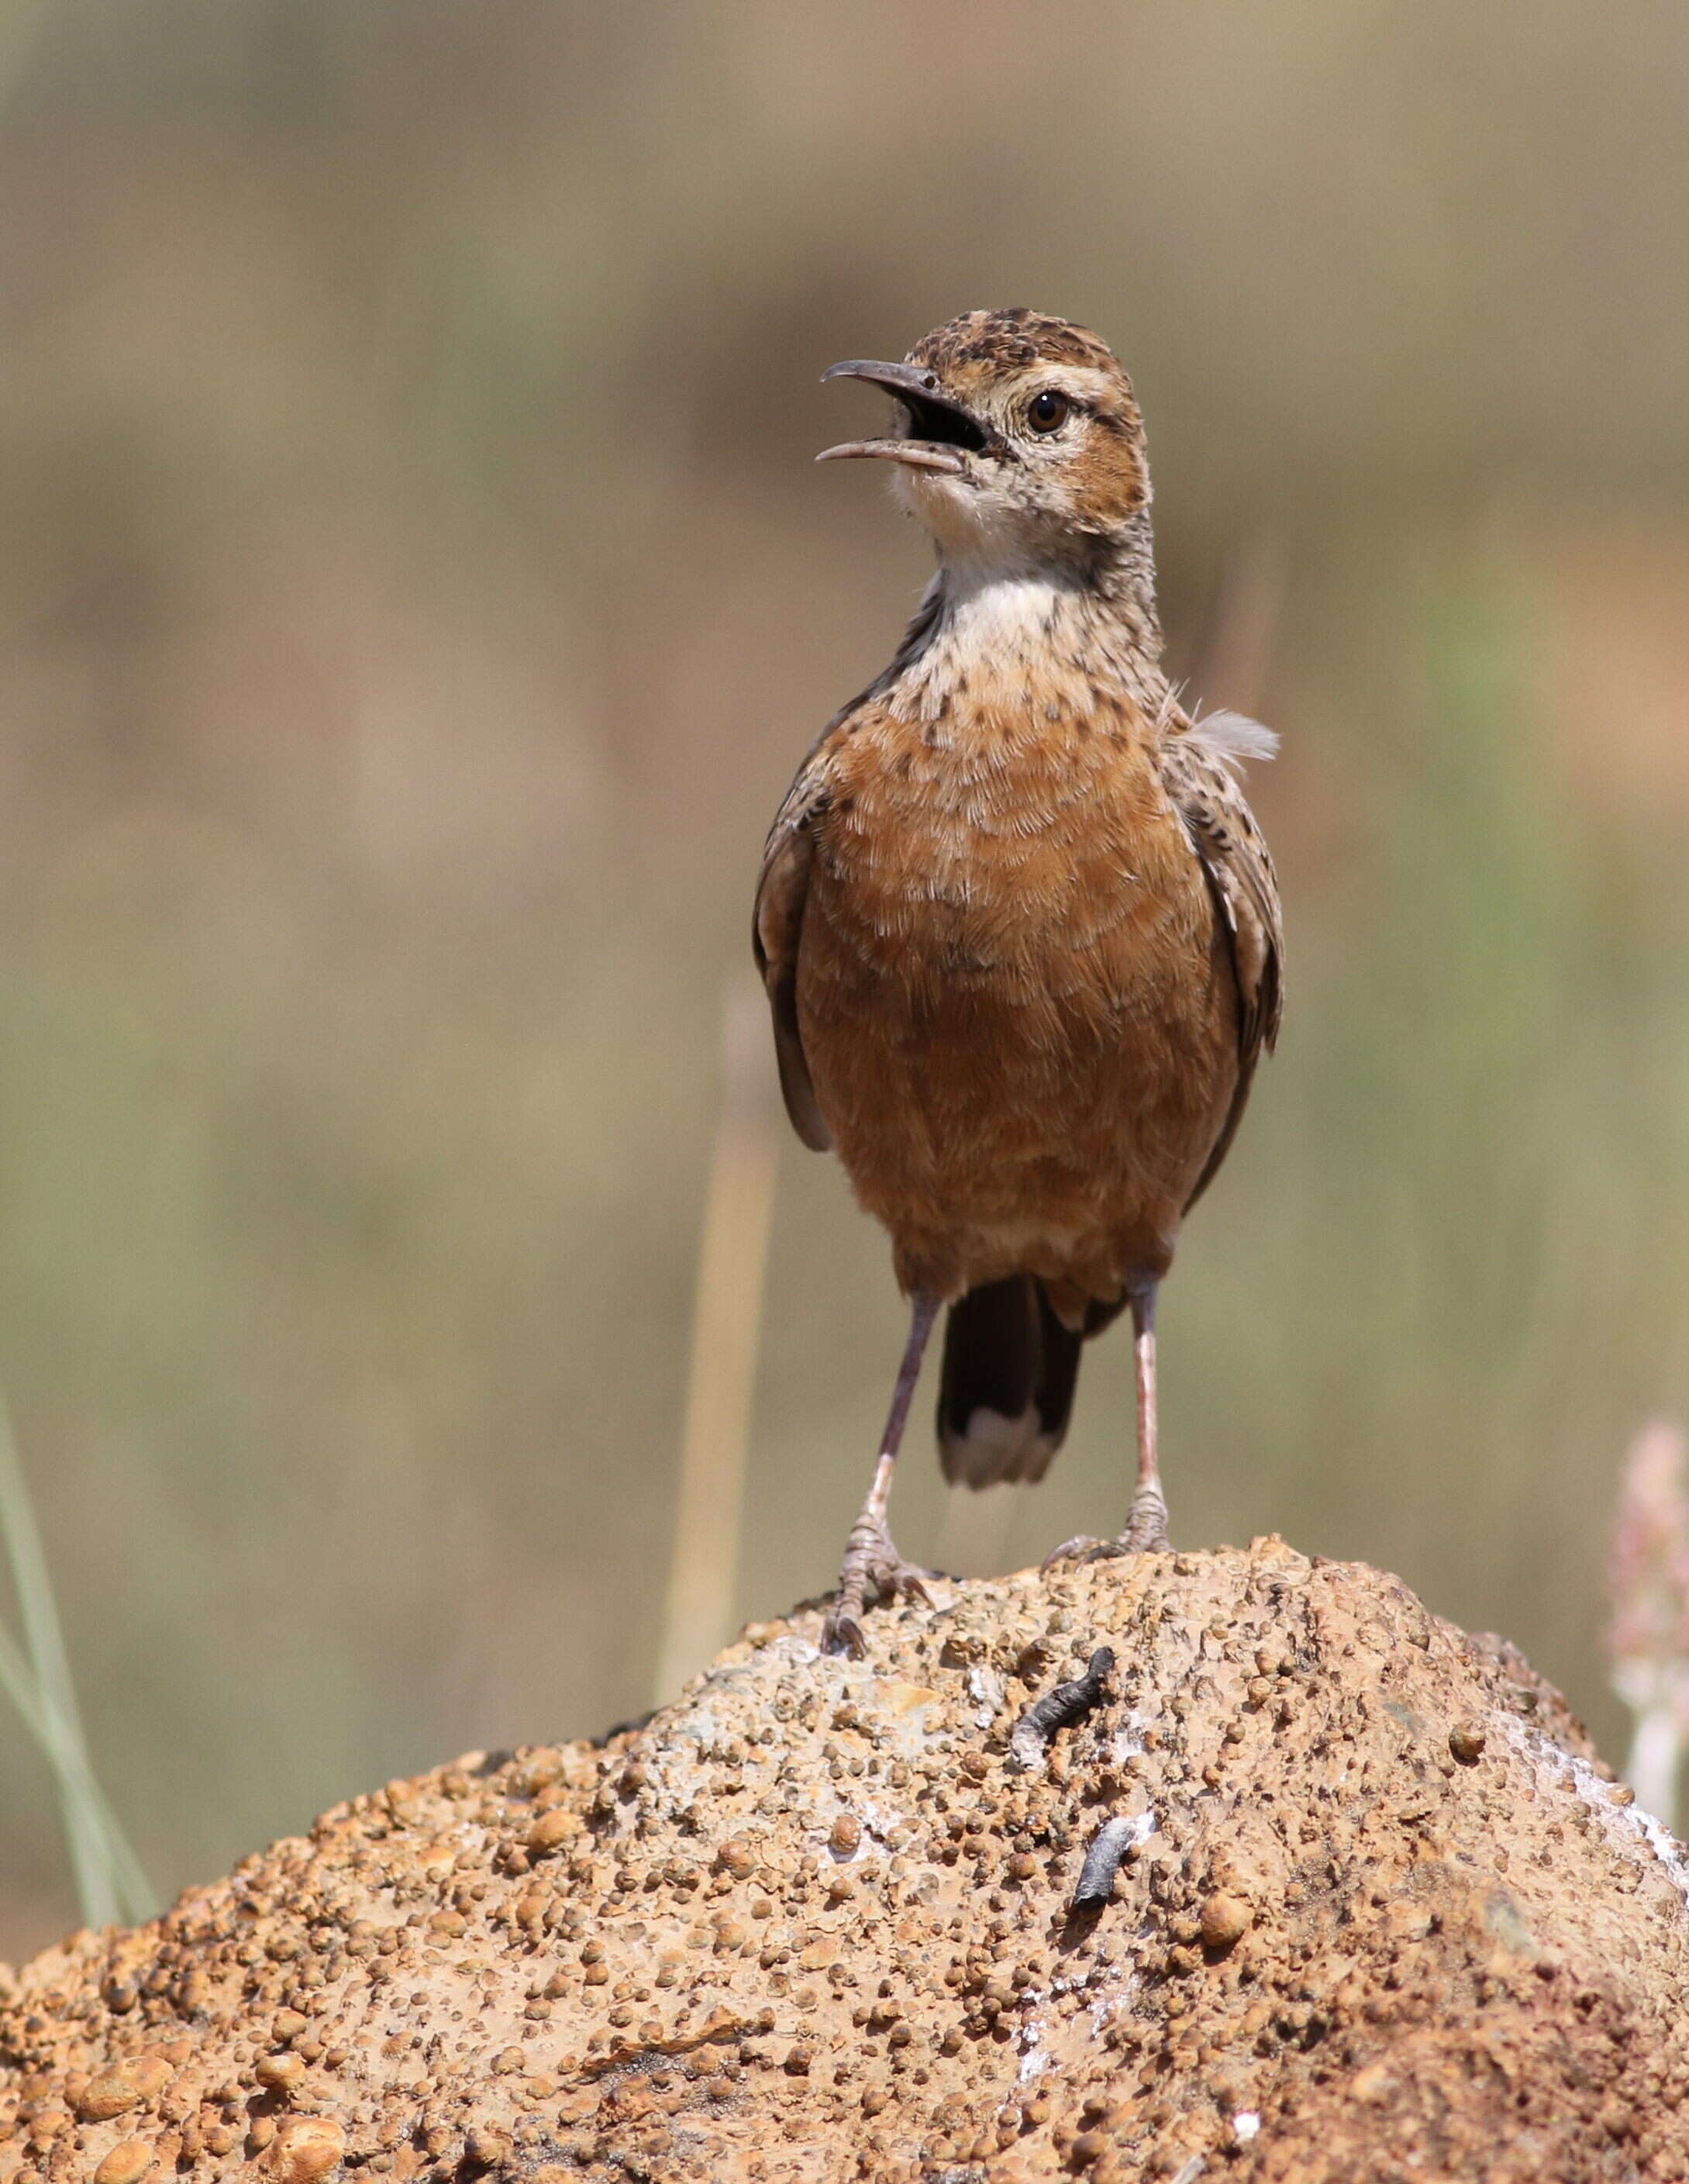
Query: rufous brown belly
(1018,1008)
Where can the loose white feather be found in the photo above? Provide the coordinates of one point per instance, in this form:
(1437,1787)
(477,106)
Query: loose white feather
(1232,738)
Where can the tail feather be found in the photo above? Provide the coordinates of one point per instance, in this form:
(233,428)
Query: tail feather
(1010,1367)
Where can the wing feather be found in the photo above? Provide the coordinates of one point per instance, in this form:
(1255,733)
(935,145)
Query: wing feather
(788,859)
(1197,772)
(777,934)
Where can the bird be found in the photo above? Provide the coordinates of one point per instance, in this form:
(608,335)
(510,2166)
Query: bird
(1018,929)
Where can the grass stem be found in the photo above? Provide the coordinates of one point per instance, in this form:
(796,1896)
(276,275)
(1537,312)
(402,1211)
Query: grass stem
(726,1325)
(111,1886)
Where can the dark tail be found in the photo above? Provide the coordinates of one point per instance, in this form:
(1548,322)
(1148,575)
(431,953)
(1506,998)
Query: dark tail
(1010,1367)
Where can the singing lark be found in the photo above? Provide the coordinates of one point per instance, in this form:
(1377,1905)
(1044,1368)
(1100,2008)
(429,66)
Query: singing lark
(1020,930)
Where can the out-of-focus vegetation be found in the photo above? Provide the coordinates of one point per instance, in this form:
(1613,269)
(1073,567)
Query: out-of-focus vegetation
(414,594)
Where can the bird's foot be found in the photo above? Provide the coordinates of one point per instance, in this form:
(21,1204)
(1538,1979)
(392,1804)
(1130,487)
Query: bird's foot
(872,1573)
(1145,1534)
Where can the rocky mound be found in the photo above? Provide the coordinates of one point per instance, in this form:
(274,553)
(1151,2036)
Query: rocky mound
(1367,1906)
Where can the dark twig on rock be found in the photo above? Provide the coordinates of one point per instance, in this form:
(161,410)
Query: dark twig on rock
(1029,1742)
(1101,1862)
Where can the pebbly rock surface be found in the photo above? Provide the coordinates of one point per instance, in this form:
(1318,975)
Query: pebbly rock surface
(1369,1908)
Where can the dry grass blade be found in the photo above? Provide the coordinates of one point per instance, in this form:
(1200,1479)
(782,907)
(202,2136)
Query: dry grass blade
(726,1320)
(110,1885)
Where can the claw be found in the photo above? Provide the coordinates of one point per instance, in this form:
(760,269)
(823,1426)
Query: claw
(872,1574)
(841,1634)
(1082,1548)
(1085,1549)
(1145,1534)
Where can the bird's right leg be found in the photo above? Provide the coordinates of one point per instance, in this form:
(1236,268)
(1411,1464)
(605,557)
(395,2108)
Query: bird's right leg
(1146,1521)
(873,1570)
(1145,1531)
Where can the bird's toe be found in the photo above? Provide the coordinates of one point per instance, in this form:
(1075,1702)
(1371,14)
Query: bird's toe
(874,1574)
(1083,1548)
(841,1635)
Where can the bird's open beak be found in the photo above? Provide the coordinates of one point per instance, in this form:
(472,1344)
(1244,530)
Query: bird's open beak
(940,431)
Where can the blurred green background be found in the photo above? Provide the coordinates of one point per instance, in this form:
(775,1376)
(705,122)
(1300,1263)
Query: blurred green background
(415,597)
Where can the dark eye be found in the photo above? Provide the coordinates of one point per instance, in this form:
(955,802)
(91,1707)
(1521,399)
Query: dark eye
(1047,412)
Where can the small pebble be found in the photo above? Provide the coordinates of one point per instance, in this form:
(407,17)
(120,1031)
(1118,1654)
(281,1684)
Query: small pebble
(127,2085)
(1226,1919)
(279,2074)
(552,1829)
(126,2163)
(306,2149)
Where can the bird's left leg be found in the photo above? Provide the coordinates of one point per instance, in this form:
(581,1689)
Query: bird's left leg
(873,1570)
(1145,1531)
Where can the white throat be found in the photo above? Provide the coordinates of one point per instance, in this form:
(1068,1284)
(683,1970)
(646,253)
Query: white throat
(998,611)
(1020,642)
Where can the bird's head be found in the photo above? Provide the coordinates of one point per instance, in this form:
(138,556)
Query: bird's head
(1018,443)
